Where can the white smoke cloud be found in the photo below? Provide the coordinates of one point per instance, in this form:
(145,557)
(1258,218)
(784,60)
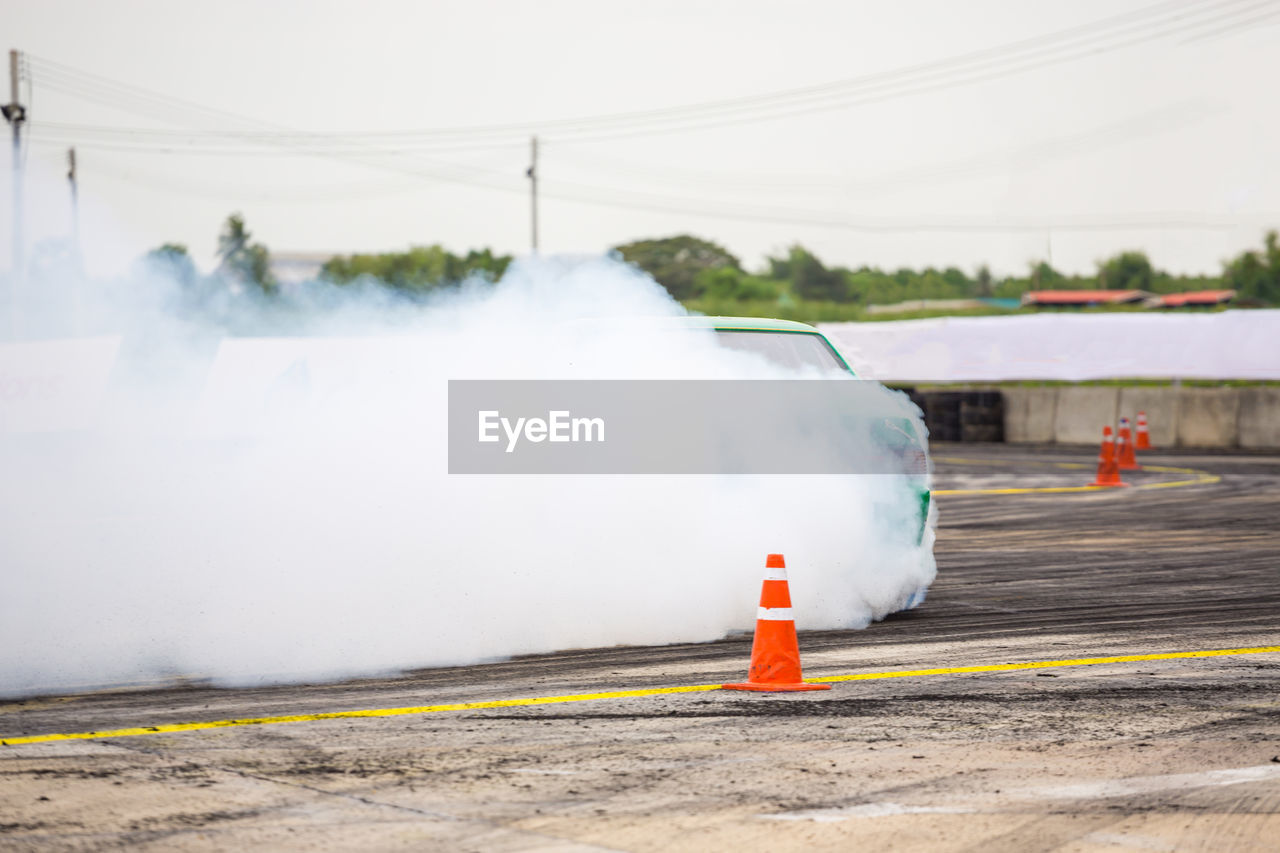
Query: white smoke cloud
(276,506)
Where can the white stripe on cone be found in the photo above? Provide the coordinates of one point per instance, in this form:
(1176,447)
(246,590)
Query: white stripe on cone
(775,614)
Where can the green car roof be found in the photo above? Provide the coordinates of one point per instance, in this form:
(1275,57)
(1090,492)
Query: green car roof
(762,324)
(741,324)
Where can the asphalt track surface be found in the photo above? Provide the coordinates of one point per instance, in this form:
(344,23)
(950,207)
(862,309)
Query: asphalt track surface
(1118,738)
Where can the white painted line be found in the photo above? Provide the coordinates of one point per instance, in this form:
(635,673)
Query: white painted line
(1130,841)
(864,810)
(1153,784)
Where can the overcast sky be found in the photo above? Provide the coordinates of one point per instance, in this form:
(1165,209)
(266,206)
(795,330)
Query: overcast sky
(951,133)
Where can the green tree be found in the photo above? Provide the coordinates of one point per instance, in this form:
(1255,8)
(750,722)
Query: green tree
(173,260)
(809,277)
(420,269)
(1254,274)
(984,285)
(870,286)
(675,262)
(1045,277)
(249,263)
(779,267)
(727,283)
(1126,271)
(958,282)
(483,263)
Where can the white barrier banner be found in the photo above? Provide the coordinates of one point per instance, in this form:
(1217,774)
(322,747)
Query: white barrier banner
(1070,347)
(57,385)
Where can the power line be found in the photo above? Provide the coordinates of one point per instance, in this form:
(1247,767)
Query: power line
(361,148)
(940,82)
(1136,27)
(239,143)
(1134,127)
(222,190)
(1232,28)
(150,102)
(666,204)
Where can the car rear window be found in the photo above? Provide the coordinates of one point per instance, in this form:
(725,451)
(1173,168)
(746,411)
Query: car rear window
(788,349)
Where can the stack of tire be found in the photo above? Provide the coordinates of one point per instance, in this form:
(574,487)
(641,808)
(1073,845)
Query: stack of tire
(982,416)
(962,415)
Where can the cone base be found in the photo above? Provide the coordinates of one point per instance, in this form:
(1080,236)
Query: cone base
(1107,485)
(766,687)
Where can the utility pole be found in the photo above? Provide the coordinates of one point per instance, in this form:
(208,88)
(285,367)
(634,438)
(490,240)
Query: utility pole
(75,200)
(532,172)
(77,283)
(15,114)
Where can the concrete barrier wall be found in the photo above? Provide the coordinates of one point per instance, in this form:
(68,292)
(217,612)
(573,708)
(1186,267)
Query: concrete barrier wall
(1208,417)
(1259,418)
(1247,417)
(1161,406)
(1081,411)
(1030,414)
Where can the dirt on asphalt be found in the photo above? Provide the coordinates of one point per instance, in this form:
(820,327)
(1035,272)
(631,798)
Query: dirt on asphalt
(1180,754)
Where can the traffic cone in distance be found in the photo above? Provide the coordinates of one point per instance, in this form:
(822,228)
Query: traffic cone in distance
(775,652)
(1108,468)
(1125,456)
(1143,438)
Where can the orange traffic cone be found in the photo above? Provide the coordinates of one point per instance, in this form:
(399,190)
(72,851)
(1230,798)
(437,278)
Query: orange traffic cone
(1108,468)
(1125,456)
(1144,438)
(775,654)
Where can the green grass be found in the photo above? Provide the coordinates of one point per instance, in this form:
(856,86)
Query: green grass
(802,311)
(930,313)
(807,311)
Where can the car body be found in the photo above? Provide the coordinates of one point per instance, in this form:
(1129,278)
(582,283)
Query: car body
(798,345)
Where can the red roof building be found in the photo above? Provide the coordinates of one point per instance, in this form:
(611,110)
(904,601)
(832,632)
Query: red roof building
(1081,298)
(1195,298)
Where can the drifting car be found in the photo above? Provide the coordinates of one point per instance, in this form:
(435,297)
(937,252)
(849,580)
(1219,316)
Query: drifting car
(798,346)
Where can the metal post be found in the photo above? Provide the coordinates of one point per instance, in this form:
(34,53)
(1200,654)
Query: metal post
(75,201)
(533,181)
(15,115)
(77,281)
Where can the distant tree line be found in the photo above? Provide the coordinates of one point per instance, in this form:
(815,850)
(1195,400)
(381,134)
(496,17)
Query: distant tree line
(419,269)
(245,264)
(695,269)
(241,262)
(1256,273)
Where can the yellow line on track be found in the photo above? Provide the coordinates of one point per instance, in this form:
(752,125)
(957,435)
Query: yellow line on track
(1027,490)
(615,694)
(1201,478)
(1047,664)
